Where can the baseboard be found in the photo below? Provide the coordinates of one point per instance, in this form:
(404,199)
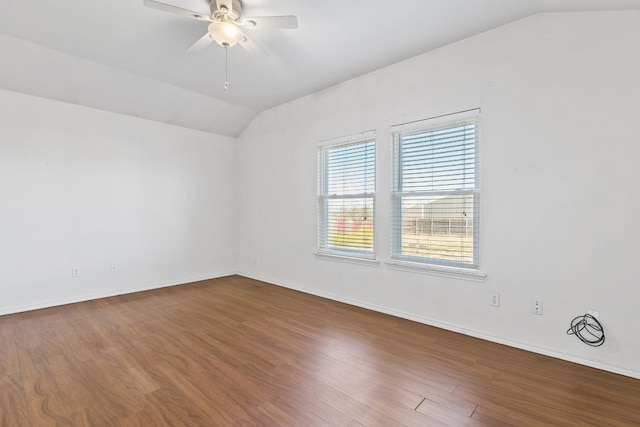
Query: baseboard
(454,328)
(82,298)
(356,303)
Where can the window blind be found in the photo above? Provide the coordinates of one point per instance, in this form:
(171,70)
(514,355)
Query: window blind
(435,193)
(346,190)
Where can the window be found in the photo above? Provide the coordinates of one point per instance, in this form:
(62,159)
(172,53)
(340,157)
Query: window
(346,188)
(435,191)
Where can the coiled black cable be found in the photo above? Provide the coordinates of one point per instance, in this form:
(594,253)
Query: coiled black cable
(587,324)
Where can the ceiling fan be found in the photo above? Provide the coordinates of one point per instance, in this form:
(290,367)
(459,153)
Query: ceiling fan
(226,22)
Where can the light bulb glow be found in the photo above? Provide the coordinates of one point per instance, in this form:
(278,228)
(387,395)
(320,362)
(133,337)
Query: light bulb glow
(225,33)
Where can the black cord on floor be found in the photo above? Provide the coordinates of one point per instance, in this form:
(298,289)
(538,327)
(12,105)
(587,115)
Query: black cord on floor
(587,324)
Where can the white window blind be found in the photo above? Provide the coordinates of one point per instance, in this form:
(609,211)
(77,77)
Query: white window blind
(346,190)
(436,192)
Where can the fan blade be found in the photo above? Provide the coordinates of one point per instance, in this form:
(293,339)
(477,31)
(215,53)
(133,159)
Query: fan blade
(253,48)
(202,42)
(287,22)
(225,4)
(174,9)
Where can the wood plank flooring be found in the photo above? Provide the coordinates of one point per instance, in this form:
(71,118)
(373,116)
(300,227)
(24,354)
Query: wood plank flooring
(235,351)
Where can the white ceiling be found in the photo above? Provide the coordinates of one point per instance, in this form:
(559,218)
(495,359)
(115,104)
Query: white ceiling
(121,56)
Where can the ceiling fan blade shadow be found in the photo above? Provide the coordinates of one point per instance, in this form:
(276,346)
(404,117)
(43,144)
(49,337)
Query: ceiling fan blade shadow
(202,43)
(285,22)
(153,4)
(253,48)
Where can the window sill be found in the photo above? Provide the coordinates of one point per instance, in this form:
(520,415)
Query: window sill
(348,259)
(437,270)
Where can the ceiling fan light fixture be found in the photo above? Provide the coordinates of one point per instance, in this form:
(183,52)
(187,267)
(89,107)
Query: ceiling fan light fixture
(225,33)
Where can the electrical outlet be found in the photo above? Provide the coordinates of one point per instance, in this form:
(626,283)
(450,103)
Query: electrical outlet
(494,299)
(537,307)
(75,271)
(114,268)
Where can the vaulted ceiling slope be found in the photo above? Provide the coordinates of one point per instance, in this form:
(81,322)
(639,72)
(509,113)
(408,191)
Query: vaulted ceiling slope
(120,56)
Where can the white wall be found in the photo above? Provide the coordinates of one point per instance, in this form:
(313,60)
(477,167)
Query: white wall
(560,97)
(86,188)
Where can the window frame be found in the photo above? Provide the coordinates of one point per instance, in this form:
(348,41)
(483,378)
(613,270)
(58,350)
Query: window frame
(323,198)
(432,125)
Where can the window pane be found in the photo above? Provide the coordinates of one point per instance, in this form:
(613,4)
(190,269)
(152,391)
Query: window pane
(435,203)
(439,160)
(439,227)
(351,169)
(350,224)
(346,190)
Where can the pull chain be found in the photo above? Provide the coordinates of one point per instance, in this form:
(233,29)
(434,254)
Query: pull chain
(226,67)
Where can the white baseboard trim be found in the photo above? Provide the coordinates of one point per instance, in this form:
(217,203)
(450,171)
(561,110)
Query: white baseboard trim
(356,303)
(454,328)
(82,298)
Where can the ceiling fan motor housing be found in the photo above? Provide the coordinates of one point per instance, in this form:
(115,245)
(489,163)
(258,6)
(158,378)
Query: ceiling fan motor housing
(218,12)
(226,22)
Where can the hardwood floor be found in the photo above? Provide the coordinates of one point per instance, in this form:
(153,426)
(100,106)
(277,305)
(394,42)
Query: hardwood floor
(235,351)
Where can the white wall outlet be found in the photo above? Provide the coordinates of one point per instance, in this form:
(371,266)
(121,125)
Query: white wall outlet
(114,268)
(537,307)
(75,271)
(494,299)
